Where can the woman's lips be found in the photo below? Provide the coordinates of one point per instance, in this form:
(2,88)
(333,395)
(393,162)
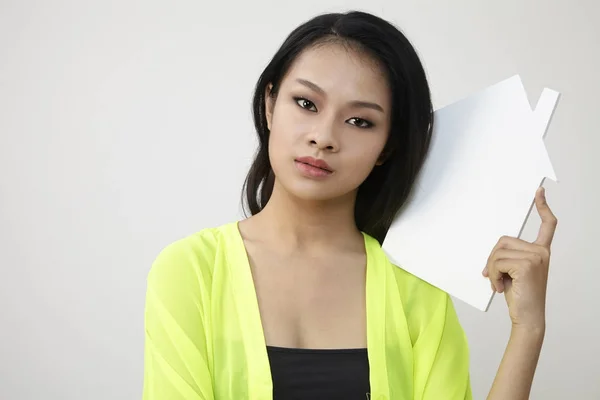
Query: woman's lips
(312,171)
(315,162)
(313,167)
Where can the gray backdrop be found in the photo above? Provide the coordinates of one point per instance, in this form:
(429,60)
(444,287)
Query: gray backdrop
(125,125)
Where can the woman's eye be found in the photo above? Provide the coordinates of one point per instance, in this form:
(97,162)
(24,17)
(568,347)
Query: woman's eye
(361,123)
(304,103)
(309,105)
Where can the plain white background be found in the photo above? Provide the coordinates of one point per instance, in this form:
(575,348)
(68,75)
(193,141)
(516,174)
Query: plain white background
(126,125)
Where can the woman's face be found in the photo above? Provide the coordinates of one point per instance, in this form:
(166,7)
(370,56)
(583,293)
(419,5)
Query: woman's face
(329,123)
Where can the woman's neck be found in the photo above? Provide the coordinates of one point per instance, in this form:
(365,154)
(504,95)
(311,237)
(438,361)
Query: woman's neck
(309,225)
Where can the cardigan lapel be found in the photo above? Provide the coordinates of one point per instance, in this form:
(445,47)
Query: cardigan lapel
(388,339)
(376,310)
(255,359)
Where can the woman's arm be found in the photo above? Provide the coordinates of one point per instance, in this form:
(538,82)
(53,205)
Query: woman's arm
(515,374)
(519,269)
(176,365)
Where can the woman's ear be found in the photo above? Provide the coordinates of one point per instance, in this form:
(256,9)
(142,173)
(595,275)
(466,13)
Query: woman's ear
(269,104)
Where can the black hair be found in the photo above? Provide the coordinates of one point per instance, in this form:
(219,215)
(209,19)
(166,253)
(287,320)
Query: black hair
(381,196)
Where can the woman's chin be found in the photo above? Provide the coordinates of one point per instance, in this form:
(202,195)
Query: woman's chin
(308,191)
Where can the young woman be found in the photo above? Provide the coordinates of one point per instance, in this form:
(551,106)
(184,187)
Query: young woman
(299,301)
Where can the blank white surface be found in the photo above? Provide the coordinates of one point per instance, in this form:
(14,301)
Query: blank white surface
(486,161)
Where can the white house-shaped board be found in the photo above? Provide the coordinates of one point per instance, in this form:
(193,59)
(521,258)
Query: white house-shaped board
(486,160)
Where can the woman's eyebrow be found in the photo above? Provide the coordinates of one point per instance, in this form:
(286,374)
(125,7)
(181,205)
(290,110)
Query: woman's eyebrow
(353,103)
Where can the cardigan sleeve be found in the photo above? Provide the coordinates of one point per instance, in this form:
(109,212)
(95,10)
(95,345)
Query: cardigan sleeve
(441,357)
(176,364)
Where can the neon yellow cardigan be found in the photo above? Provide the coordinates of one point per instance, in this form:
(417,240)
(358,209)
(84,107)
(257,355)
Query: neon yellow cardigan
(204,338)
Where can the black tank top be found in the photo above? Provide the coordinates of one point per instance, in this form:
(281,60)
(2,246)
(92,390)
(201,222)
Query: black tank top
(319,374)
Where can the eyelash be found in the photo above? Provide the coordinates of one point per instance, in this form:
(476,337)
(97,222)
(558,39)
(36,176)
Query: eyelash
(369,123)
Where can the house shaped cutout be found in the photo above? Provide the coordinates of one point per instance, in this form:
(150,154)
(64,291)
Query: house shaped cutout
(486,160)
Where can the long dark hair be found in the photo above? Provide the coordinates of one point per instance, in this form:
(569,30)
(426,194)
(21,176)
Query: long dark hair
(387,188)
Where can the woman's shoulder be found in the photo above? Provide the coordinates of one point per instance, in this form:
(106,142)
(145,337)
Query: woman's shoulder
(416,290)
(192,255)
(200,243)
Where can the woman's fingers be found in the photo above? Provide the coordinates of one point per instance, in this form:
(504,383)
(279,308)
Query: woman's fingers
(549,221)
(511,255)
(503,264)
(508,254)
(496,277)
(501,253)
(504,268)
(510,247)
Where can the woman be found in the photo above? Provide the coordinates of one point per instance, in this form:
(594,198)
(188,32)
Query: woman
(299,301)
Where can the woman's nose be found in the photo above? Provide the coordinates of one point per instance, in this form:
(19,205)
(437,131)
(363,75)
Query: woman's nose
(324,144)
(324,138)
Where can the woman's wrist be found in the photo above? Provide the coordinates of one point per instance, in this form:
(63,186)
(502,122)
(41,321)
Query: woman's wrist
(528,339)
(517,369)
(533,331)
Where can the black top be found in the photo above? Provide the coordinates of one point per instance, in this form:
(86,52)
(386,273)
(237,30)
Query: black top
(320,374)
